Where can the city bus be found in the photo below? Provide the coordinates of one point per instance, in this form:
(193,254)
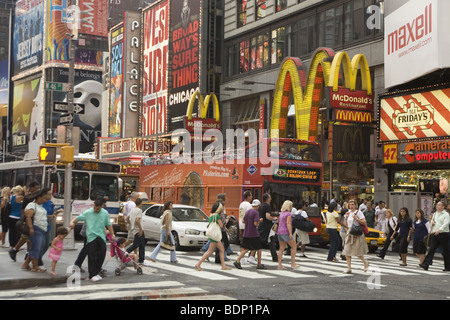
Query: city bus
(90,178)
(296,176)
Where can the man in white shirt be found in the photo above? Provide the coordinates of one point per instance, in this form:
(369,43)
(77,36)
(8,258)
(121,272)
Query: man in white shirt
(129,205)
(363,206)
(439,236)
(134,219)
(380,217)
(243,208)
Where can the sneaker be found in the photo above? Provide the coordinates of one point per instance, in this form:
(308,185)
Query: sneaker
(12,254)
(95,278)
(261,267)
(252,260)
(237,265)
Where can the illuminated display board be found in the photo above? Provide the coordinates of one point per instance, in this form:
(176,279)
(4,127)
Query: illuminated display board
(307,175)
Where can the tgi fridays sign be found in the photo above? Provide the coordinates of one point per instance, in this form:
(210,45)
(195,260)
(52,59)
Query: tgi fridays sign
(417,116)
(111,148)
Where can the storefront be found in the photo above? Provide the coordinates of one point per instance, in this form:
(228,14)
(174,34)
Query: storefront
(415,132)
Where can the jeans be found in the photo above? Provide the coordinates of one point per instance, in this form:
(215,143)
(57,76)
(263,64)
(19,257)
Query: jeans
(45,244)
(139,242)
(435,242)
(36,242)
(334,243)
(173,256)
(96,256)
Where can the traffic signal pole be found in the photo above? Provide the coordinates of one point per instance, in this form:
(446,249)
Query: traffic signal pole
(69,241)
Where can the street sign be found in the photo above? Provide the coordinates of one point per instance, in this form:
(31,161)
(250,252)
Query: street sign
(78,108)
(56,86)
(66,119)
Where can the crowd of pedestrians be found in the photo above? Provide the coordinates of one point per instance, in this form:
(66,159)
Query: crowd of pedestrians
(32,209)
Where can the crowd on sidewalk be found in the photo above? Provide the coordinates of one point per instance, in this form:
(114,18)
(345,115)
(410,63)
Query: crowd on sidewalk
(28,218)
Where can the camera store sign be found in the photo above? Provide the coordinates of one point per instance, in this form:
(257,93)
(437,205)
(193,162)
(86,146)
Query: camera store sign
(417,152)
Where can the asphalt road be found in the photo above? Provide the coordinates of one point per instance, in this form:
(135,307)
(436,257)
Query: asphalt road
(316,279)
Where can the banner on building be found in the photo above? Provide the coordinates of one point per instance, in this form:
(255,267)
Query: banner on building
(28,35)
(156,20)
(185,61)
(116,83)
(416,40)
(416,116)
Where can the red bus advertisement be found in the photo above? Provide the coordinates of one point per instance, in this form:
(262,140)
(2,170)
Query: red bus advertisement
(295,174)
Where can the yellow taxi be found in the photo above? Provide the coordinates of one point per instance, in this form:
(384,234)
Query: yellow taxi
(375,239)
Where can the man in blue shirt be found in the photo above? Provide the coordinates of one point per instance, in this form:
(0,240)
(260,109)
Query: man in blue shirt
(96,219)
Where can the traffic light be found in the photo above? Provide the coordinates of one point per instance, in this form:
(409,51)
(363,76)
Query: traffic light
(67,154)
(47,154)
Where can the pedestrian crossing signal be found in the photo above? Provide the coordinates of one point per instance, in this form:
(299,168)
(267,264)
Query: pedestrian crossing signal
(47,154)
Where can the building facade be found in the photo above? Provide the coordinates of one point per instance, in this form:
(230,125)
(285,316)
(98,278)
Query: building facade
(259,35)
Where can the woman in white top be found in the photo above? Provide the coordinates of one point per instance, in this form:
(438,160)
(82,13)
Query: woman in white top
(355,245)
(36,218)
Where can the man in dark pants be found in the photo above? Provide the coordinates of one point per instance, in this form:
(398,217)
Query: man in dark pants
(134,220)
(266,225)
(96,219)
(439,236)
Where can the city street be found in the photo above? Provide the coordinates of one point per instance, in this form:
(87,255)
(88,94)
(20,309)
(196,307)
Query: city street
(316,279)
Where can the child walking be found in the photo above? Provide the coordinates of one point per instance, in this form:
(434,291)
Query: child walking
(57,248)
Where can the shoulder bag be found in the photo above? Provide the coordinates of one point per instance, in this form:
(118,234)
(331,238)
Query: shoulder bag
(213,230)
(22,225)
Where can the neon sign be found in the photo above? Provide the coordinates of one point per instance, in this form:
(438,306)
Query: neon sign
(307,90)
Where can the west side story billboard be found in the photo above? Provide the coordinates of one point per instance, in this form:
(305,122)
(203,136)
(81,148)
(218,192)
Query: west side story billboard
(28,35)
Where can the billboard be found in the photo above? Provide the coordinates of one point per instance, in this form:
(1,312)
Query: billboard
(416,41)
(57,41)
(27,117)
(185,62)
(28,35)
(88,91)
(94,17)
(155,68)
(116,83)
(417,116)
(4,86)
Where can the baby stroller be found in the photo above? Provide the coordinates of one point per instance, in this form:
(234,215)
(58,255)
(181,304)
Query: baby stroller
(122,258)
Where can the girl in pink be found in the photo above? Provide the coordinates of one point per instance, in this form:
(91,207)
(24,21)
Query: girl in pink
(57,248)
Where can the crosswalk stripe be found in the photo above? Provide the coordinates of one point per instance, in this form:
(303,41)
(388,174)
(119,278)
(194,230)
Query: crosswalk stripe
(315,263)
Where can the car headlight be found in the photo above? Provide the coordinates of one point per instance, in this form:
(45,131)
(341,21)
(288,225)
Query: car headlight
(192,232)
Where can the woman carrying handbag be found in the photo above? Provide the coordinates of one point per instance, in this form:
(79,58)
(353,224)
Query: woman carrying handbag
(166,231)
(215,222)
(355,241)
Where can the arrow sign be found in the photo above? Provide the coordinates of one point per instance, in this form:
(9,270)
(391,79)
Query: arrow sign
(78,108)
(66,119)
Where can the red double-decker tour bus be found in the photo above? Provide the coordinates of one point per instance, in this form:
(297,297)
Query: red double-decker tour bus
(293,172)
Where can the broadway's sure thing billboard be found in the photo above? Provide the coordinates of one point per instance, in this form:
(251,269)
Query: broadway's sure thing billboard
(185,61)
(28,35)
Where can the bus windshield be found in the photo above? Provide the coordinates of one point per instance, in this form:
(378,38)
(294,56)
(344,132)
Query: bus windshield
(104,186)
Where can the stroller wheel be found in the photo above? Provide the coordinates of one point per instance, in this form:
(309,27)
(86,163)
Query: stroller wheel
(139,271)
(117,272)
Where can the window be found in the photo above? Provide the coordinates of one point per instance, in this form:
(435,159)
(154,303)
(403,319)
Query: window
(104,186)
(279,45)
(80,186)
(244,56)
(260,9)
(330,27)
(281,5)
(242,13)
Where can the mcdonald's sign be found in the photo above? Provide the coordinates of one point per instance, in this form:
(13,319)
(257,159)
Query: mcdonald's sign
(351,116)
(307,89)
(201,122)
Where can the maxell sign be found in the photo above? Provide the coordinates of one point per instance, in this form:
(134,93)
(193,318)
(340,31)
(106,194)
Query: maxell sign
(416,42)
